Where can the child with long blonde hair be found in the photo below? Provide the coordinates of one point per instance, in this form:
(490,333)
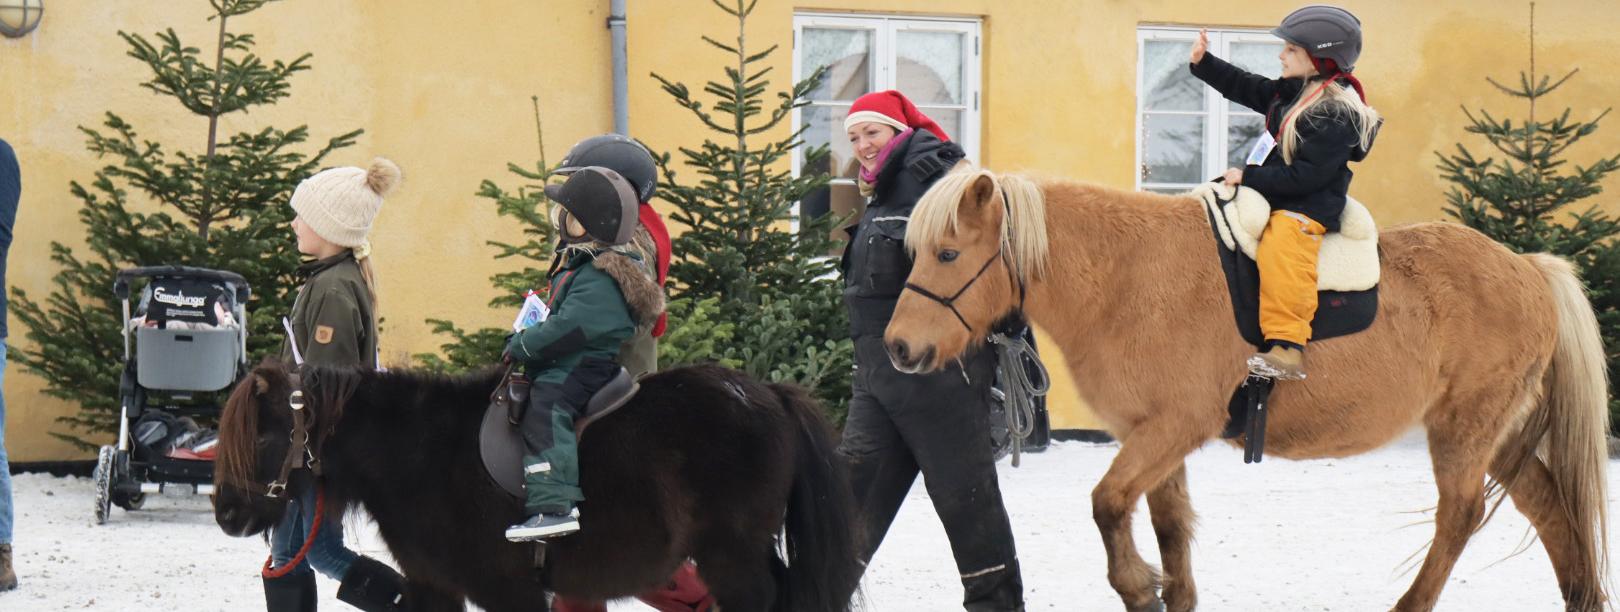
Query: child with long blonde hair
(334,323)
(1317,122)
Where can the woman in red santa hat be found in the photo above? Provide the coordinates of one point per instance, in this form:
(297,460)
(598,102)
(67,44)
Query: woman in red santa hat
(900,424)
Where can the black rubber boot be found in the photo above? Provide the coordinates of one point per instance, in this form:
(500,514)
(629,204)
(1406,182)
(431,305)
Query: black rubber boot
(997,590)
(294,592)
(372,586)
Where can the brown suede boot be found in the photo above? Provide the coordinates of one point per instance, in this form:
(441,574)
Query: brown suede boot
(8,575)
(1279,363)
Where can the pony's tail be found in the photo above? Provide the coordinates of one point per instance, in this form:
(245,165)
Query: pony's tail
(1571,424)
(822,546)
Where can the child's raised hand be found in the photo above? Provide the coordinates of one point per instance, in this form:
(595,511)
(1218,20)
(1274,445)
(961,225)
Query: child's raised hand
(1200,47)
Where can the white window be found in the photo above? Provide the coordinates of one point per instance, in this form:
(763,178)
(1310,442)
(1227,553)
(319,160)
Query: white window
(1186,132)
(934,62)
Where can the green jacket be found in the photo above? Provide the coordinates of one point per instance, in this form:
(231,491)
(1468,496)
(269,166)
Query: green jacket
(598,300)
(333,319)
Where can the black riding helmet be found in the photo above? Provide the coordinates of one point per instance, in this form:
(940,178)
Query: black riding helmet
(1326,32)
(600,201)
(619,153)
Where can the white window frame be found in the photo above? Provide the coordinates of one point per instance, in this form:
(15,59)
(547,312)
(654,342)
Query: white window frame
(886,28)
(1216,147)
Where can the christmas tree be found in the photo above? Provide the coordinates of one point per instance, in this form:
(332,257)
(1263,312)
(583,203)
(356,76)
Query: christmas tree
(1527,196)
(739,263)
(221,205)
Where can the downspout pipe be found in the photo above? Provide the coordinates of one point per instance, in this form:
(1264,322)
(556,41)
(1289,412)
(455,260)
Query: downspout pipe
(621,78)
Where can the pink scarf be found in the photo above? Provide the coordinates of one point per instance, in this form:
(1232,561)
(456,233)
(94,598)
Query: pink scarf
(869,178)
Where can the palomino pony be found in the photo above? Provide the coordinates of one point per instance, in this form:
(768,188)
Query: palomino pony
(704,462)
(1496,355)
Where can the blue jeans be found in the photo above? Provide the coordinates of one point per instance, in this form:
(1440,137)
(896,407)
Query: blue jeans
(5,466)
(327,554)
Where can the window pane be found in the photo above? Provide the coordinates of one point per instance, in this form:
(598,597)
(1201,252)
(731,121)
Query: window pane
(1172,148)
(1169,84)
(1241,133)
(847,54)
(949,119)
(1257,57)
(826,127)
(928,66)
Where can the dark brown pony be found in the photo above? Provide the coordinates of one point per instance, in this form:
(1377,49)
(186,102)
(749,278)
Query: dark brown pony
(705,463)
(1496,355)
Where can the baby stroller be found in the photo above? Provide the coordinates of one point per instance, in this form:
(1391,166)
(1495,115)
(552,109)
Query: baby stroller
(190,348)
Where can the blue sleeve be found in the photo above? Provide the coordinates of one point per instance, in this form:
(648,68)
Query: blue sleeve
(10,192)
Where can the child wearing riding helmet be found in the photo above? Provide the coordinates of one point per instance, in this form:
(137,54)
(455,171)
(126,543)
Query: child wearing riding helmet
(333,322)
(1317,122)
(600,295)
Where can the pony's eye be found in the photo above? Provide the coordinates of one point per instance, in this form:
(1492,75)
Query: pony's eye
(947,256)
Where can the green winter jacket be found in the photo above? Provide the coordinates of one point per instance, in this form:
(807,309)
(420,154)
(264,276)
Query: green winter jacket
(333,319)
(598,300)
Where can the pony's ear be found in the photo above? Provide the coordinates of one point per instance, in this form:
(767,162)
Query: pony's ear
(260,385)
(981,191)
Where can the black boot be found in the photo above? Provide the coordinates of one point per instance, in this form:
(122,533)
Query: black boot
(293,592)
(372,586)
(999,590)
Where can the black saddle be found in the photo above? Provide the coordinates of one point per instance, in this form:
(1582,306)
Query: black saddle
(500,441)
(1338,313)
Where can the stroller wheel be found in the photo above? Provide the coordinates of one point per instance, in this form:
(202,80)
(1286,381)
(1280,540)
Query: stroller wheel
(104,482)
(132,502)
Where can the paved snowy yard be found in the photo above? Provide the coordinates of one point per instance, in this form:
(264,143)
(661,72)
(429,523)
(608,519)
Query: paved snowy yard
(1320,535)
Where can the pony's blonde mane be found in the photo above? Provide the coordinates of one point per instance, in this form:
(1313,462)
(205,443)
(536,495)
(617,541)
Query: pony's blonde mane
(1023,228)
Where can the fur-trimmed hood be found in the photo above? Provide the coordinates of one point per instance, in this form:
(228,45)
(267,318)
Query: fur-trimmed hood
(636,281)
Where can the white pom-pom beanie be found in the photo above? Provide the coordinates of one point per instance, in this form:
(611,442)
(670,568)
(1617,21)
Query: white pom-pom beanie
(340,204)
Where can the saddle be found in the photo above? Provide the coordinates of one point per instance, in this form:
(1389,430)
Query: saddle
(1347,265)
(1347,273)
(500,441)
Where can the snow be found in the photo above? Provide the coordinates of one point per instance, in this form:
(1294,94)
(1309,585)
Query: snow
(1280,535)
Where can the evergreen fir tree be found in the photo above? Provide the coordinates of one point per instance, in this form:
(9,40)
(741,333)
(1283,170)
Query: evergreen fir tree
(222,205)
(777,289)
(1527,196)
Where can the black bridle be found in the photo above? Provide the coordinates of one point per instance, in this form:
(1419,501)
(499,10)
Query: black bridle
(950,302)
(300,454)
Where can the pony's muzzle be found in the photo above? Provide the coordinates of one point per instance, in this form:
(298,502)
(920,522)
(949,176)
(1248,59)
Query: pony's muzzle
(905,359)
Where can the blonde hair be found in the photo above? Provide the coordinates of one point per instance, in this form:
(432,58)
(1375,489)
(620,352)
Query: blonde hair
(1338,99)
(362,256)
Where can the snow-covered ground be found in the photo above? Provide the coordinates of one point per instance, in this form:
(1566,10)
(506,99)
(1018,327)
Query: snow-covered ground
(1281,535)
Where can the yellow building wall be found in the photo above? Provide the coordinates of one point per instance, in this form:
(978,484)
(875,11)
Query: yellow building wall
(444,90)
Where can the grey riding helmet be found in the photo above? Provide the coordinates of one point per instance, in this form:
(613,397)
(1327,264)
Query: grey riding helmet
(602,201)
(1326,32)
(618,153)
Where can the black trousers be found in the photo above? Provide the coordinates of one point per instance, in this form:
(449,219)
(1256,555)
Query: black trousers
(937,424)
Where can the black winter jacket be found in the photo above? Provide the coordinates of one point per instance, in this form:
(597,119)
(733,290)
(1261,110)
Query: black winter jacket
(1316,182)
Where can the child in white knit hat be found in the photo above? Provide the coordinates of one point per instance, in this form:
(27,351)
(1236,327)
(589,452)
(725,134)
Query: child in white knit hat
(333,322)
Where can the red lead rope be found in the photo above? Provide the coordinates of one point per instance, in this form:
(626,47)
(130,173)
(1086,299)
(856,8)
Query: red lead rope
(320,512)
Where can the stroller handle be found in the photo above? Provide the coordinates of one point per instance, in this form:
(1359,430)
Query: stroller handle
(121,284)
